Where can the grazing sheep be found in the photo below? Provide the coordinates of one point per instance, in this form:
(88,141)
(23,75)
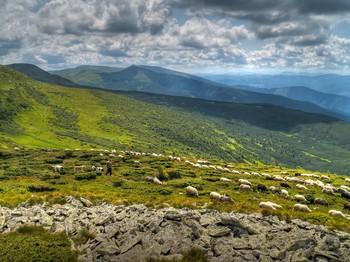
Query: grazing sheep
(345,187)
(275,189)
(336,213)
(274,205)
(345,195)
(224,179)
(328,190)
(278,178)
(215,196)
(284,173)
(297,174)
(325,177)
(79,168)
(266,175)
(244,182)
(255,173)
(321,201)
(347,179)
(262,187)
(244,187)
(226,198)
(283,184)
(301,207)
(157,181)
(149,179)
(341,190)
(299,186)
(58,168)
(235,172)
(300,198)
(284,193)
(111,155)
(191,191)
(346,206)
(136,162)
(97,169)
(266,205)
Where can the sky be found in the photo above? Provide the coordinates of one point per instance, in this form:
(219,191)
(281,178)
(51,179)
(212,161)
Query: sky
(194,36)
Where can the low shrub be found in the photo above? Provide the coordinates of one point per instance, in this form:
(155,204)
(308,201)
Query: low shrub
(48,177)
(35,244)
(174,174)
(90,176)
(194,254)
(53,161)
(83,236)
(118,183)
(40,189)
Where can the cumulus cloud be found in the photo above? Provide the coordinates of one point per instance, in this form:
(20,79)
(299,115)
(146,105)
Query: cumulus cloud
(251,34)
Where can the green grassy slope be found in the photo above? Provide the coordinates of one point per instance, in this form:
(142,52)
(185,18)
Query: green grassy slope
(39,115)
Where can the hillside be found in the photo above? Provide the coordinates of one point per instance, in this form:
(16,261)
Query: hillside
(41,75)
(39,115)
(163,81)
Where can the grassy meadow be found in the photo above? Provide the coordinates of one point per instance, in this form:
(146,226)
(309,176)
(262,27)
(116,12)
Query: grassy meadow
(27,175)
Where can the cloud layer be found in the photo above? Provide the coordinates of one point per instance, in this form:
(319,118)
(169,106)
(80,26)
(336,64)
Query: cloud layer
(190,35)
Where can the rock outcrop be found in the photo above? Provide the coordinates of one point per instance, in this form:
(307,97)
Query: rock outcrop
(133,233)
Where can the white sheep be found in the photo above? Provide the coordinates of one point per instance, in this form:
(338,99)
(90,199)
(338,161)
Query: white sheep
(301,207)
(112,155)
(224,179)
(336,213)
(299,186)
(58,168)
(215,196)
(345,187)
(79,168)
(266,205)
(244,182)
(326,177)
(328,190)
(275,189)
(157,181)
(191,191)
(278,178)
(244,187)
(137,162)
(284,193)
(300,198)
(97,169)
(276,206)
(347,179)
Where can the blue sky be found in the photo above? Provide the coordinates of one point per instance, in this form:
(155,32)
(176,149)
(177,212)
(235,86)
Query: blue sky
(195,36)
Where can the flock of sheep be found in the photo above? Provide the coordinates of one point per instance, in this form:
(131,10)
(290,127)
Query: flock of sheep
(303,181)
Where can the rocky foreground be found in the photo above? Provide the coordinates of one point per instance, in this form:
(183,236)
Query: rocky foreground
(134,233)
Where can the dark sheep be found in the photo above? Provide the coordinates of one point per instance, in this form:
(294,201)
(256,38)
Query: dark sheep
(262,187)
(321,201)
(285,185)
(269,178)
(345,195)
(347,206)
(297,174)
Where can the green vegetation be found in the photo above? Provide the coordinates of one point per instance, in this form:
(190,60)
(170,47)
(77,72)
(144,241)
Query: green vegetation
(39,115)
(35,244)
(128,184)
(194,254)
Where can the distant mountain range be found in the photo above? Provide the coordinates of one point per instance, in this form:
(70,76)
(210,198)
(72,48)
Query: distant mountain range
(35,114)
(164,81)
(328,83)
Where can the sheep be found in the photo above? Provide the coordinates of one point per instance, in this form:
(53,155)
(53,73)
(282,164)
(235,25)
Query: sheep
(300,198)
(244,182)
(111,155)
(149,179)
(301,207)
(284,193)
(345,195)
(284,173)
(282,184)
(321,201)
(346,206)
(136,162)
(79,168)
(97,169)
(276,206)
(299,186)
(336,213)
(328,190)
(255,173)
(266,175)
(275,189)
(235,172)
(157,181)
(347,179)
(262,187)
(58,168)
(278,178)
(244,187)
(345,187)
(266,205)
(215,196)
(325,177)
(224,179)
(191,191)
(226,198)
(341,190)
